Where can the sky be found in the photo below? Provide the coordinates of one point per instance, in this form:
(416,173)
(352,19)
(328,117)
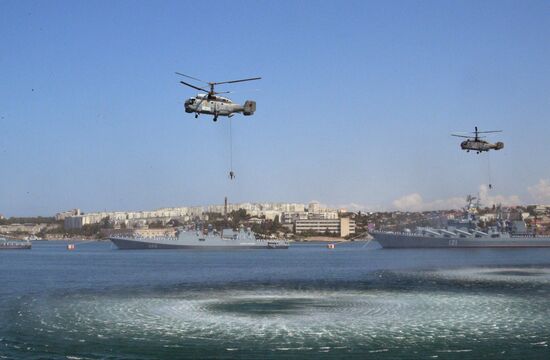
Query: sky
(355,107)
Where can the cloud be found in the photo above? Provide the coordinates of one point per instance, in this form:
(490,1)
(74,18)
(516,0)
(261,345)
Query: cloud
(411,202)
(488,200)
(446,204)
(352,207)
(541,191)
(355,207)
(415,202)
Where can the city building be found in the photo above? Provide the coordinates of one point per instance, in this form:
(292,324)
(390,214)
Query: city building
(26,228)
(314,207)
(65,214)
(290,217)
(488,217)
(342,226)
(287,213)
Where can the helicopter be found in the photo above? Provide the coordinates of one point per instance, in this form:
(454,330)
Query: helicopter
(476,144)
(212,104)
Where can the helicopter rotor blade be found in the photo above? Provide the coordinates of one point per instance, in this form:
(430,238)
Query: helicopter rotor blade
(235,81)
(462,136)
(234,92)
(190,77)
(488,132)
(247,91)
(194,87)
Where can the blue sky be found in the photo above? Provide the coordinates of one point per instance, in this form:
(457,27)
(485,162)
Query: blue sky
(356,104)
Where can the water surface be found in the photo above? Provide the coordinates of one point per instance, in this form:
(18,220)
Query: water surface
(354,301)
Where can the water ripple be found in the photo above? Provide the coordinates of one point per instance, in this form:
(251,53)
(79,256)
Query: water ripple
(324,319)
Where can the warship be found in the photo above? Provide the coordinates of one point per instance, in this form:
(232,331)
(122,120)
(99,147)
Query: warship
(199,239)
(465,233)
(6,244)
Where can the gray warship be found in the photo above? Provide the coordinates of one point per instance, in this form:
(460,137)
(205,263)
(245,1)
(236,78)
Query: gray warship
(199,239)
(6,244)
(464,233)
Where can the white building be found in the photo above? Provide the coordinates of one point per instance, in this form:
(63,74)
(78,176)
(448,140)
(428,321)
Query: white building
(62,215)
(314,207)
(343,226)
(487,217)
(268,211)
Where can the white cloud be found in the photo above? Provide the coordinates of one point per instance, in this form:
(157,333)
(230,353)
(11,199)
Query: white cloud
(355,207)
(411,202)
(541,191)
(415,202)
(490,200)
(351,207)
(446,204)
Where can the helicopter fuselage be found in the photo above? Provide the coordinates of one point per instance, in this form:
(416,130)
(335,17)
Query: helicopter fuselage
(480,145)
(217,106)
(212,104)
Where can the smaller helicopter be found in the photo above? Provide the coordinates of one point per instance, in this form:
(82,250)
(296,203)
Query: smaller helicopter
(476,144)
(212,104)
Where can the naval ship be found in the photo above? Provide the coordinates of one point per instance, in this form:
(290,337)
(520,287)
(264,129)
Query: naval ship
(199,239)
(464,233)
(6,244)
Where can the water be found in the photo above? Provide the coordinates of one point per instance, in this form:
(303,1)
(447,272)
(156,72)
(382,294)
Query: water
(306,302)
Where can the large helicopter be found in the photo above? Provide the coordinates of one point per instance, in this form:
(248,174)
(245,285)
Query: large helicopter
(212,104)
(476,144)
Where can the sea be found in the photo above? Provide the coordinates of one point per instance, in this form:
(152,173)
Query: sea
(356,301)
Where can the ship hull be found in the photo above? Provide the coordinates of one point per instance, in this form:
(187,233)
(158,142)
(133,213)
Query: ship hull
(143,244)
(404,241)
(15,247)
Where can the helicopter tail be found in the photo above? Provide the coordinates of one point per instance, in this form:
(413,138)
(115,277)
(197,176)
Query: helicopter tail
(249,107)
(499,145)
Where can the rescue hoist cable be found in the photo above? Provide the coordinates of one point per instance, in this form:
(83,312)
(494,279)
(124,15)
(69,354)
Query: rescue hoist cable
(489,169)
(231,173)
